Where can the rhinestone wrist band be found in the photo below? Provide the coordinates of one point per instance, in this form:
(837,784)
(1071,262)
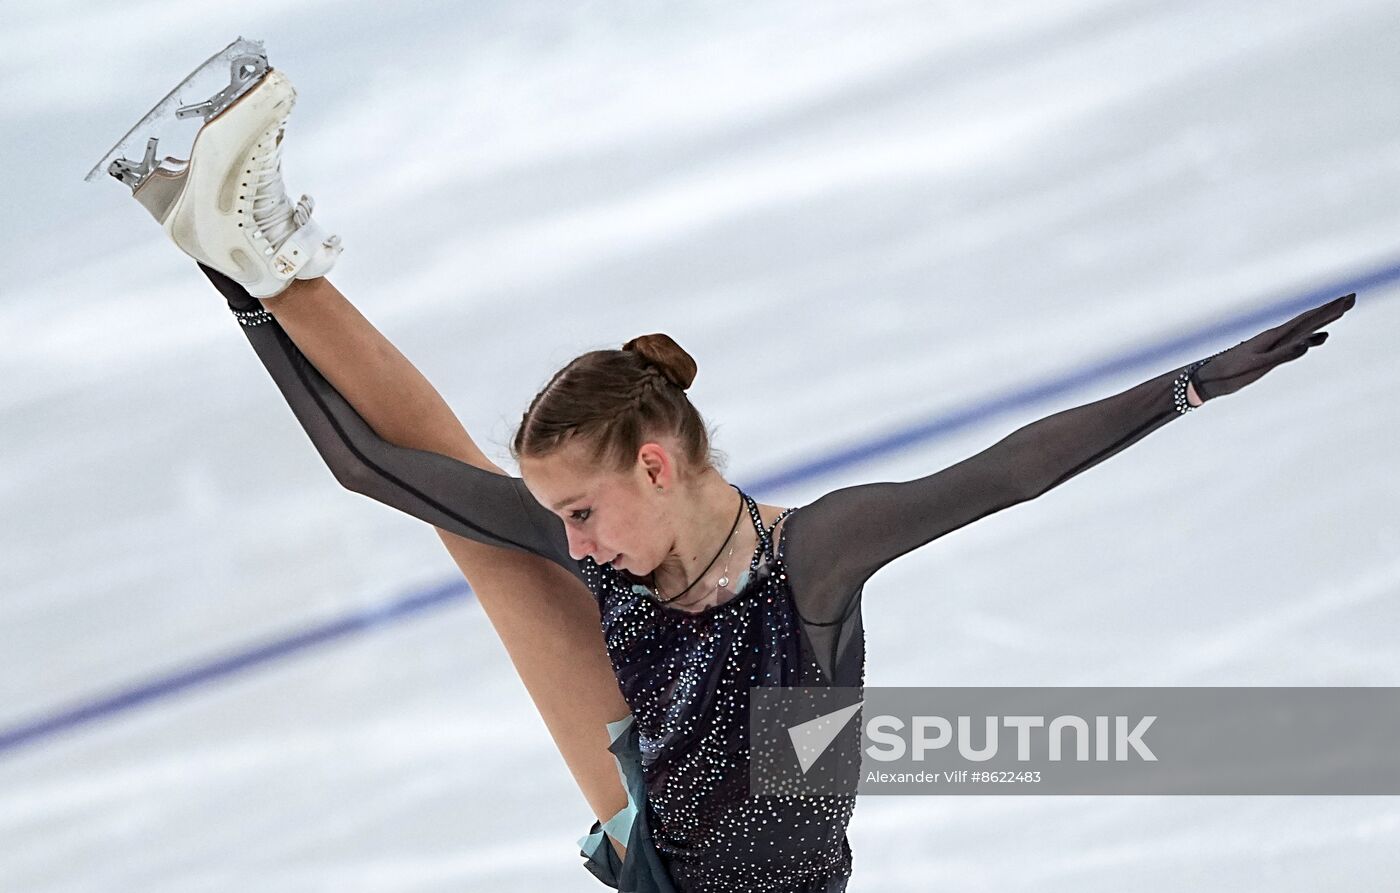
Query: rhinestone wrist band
(1183,405)
(253,317)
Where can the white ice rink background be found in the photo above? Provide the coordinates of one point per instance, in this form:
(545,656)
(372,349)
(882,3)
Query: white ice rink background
(858,217)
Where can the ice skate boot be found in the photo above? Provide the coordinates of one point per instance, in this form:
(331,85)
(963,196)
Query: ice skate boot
(226,206)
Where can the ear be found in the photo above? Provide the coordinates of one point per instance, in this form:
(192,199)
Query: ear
(656,465)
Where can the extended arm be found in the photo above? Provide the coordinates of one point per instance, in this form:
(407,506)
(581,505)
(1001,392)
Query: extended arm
(860,529)
(420,460)
(837,542)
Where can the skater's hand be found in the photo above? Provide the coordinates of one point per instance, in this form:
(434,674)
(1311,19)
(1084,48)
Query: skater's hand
(1248,361)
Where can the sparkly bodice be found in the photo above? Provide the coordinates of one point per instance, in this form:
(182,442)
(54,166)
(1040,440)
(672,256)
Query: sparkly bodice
(686,677)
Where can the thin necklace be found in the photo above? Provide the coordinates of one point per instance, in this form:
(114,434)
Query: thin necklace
(723,580)
(701,575)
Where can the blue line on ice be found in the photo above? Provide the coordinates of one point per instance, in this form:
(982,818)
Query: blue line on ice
(1212,337)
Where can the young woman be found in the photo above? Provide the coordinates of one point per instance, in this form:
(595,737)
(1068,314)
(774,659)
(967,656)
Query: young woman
(702,593)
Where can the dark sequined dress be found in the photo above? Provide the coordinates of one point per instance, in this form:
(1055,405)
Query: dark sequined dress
(686,676)
(795,621)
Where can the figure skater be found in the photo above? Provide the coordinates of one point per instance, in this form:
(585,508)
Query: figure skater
(701,593)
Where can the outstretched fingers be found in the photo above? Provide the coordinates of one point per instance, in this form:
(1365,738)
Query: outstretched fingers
(1332,311)
(1247,361)
(1310,321)
(1292,350)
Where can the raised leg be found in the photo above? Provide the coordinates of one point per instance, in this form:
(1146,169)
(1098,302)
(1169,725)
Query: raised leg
(544,615)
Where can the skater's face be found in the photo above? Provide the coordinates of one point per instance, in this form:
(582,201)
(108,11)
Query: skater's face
(610,516)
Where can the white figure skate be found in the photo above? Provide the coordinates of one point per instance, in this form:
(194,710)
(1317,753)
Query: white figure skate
(225,206)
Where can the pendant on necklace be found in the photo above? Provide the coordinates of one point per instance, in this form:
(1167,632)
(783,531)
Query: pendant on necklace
(723,582)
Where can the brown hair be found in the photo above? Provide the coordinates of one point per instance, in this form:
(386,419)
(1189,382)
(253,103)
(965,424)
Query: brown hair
(615,400)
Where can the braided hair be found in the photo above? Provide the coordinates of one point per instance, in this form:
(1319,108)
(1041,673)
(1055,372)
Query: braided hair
(614,401)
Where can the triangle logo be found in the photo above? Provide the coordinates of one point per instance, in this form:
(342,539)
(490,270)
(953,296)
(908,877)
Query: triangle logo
(810,739)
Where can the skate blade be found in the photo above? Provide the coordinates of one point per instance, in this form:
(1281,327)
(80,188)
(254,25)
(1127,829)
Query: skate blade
(208,90)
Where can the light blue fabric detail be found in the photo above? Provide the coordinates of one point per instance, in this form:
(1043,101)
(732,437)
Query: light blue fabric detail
(589,842)
(619,827)
(615,730)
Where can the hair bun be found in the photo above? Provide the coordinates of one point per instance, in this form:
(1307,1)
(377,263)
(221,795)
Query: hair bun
(666,355)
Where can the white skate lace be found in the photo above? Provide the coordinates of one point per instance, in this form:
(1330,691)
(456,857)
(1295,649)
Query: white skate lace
(273,213)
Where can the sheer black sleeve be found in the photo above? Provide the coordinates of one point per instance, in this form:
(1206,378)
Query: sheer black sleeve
(833,545)
(472,502)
